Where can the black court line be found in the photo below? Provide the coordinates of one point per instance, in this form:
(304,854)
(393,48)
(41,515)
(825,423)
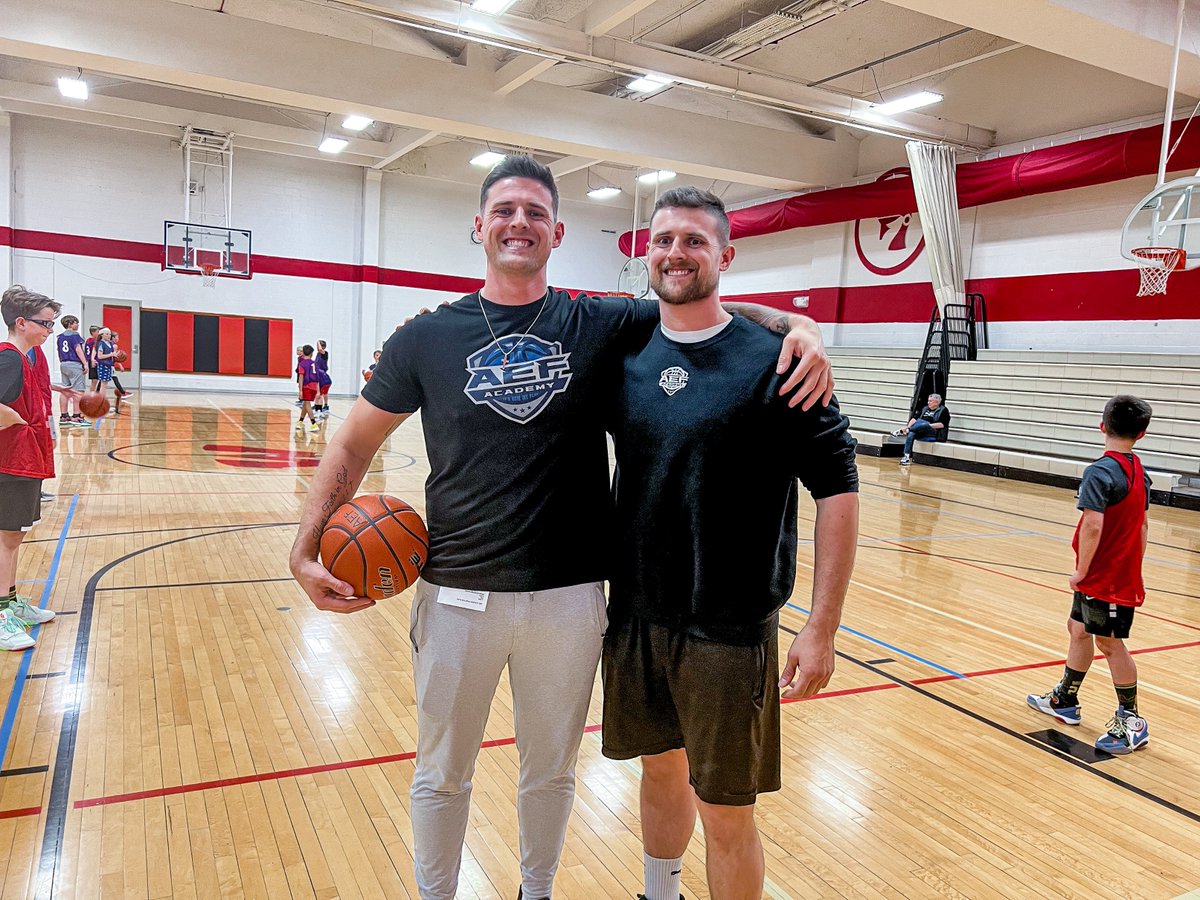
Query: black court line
(1006,512)
(1016,735)
(879,662)
(64,758)
(153,587)
(84,537)
(45,674)
(28,770)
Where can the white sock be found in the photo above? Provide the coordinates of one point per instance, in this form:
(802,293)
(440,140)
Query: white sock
(662,877)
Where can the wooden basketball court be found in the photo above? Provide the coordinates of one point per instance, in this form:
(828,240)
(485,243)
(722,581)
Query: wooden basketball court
(189,726)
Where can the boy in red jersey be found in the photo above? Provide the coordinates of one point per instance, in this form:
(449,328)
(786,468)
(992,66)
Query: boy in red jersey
(1109,544)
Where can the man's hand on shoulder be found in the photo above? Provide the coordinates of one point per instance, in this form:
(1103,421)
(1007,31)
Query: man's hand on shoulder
(424,310)
(812,378)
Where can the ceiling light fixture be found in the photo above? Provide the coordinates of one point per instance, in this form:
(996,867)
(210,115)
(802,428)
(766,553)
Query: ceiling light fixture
(488,159)
(333,145)
(492,7)
(904,104)
(356,123)
(75,88)
(604,193)
(650,82)
(656,177)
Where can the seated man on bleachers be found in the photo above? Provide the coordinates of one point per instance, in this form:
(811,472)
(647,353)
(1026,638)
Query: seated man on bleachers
(933,424)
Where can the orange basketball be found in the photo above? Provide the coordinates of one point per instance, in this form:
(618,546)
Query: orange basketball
(367,375)
(375,543)
(93,404)
(121,356)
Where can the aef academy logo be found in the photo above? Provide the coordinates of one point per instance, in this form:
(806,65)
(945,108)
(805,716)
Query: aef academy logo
(672,380)
(520,389)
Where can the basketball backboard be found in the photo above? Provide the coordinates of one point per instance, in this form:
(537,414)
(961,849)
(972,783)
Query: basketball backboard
(190,248)
(1169,216)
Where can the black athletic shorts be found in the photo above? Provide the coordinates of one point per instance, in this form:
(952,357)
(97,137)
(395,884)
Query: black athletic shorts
(665,690)
(20,502)
(1102,618)
(92,374)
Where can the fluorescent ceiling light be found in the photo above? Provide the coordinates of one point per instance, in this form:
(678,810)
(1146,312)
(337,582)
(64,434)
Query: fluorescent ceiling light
(487,159)
(904,104)
(75,88)
(656,177)
(356,123)
(333,145)
(604,193)
(493,7)
(650,82)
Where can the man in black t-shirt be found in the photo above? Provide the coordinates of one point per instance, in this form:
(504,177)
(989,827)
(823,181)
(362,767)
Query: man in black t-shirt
(512,382)
(931,424)
(707,460)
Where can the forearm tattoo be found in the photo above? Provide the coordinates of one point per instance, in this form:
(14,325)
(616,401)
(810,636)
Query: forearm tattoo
(336,498)
(771,319)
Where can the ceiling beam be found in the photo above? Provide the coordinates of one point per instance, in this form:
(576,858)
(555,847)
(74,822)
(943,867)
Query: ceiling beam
(1134,39)
(519,71)
(605,15)
(569,164)
(260,61)
(404,143)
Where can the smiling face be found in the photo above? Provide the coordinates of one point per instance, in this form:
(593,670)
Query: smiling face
(517,226)
(687,255)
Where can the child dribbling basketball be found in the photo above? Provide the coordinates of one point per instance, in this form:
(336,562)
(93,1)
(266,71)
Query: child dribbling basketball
(1109,544)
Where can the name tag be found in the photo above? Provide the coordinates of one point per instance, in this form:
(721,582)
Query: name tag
(476,600)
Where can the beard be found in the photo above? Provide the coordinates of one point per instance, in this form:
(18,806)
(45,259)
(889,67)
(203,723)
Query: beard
(681,295)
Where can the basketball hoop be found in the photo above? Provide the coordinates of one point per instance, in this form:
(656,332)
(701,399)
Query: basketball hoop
(1156,265)
(208,274)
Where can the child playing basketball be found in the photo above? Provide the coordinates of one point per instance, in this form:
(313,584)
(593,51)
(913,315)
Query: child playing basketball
(103,352)
(1109,544)
(321,360)
(306,375)
(26,449)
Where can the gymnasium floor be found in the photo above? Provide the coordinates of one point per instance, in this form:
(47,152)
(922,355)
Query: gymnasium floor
(190,726)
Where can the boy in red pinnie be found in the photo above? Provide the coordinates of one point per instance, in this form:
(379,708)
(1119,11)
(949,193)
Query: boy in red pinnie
(1109,544)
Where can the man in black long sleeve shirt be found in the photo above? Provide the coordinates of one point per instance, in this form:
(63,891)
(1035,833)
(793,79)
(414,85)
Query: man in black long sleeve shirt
(707,460)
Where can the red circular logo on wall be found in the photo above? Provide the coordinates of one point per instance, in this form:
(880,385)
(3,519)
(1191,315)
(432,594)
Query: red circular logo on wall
(889,245)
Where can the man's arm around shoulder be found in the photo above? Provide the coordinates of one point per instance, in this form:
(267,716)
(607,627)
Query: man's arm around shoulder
(346,459)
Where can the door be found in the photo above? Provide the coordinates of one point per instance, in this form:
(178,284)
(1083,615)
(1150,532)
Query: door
(124,318)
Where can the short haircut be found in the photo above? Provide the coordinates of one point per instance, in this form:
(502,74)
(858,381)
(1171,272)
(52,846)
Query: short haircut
(19,302)
(931,396)
(308,350)
(520,167)
(68,321)
(694,198)
(1127,416)
(92,329)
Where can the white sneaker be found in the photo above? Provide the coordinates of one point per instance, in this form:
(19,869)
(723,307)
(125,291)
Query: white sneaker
(896,432)
(315,426)
(906,460)
(12,635)
(27,612)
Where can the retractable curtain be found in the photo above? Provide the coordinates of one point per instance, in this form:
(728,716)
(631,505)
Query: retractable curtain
(933,176)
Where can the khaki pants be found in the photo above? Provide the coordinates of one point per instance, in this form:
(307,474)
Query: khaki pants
(550,641)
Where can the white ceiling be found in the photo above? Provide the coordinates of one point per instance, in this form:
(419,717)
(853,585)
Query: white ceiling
(764,104)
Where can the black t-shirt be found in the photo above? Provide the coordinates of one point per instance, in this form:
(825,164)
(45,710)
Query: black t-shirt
(934,415)
(518,492)
(12,376)
(707,459)
(1104,483)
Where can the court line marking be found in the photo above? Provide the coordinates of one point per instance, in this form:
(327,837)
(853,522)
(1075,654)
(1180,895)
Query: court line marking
(18,688)
(1025,739)
(236,424)
(152,587)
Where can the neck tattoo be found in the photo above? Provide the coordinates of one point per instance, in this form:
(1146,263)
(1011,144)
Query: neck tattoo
(513,350)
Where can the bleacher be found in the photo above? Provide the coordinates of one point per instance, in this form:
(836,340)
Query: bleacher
(1033,415)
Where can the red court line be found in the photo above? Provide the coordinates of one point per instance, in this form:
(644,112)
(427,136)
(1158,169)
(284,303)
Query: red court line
(271,776)
(19,813)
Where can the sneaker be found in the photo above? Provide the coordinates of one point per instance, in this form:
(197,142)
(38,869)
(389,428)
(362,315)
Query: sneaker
(1126,733)
(315,426)
(1068,715)
(80,420)
(300,425)
(12,635)
(64,419)
(30,614)
(906,460)
(896,432)
(48,497)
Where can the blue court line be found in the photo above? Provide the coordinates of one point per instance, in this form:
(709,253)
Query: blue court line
(14,698)
(867,637)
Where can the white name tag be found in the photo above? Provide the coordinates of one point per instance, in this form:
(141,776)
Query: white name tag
(466,599)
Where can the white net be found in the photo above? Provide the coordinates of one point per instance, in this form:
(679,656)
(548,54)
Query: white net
(208,276)
(1155,264)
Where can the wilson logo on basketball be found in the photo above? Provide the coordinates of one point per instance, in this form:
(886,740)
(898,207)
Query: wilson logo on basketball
(521,387)
(387,584)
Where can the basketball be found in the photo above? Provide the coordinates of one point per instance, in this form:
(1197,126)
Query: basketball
(375,543)
(121,356)
(93,404)
(367,375)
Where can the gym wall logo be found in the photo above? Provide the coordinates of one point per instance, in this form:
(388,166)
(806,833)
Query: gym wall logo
(889,245)
(673,380)
(241,457)
(520,389)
